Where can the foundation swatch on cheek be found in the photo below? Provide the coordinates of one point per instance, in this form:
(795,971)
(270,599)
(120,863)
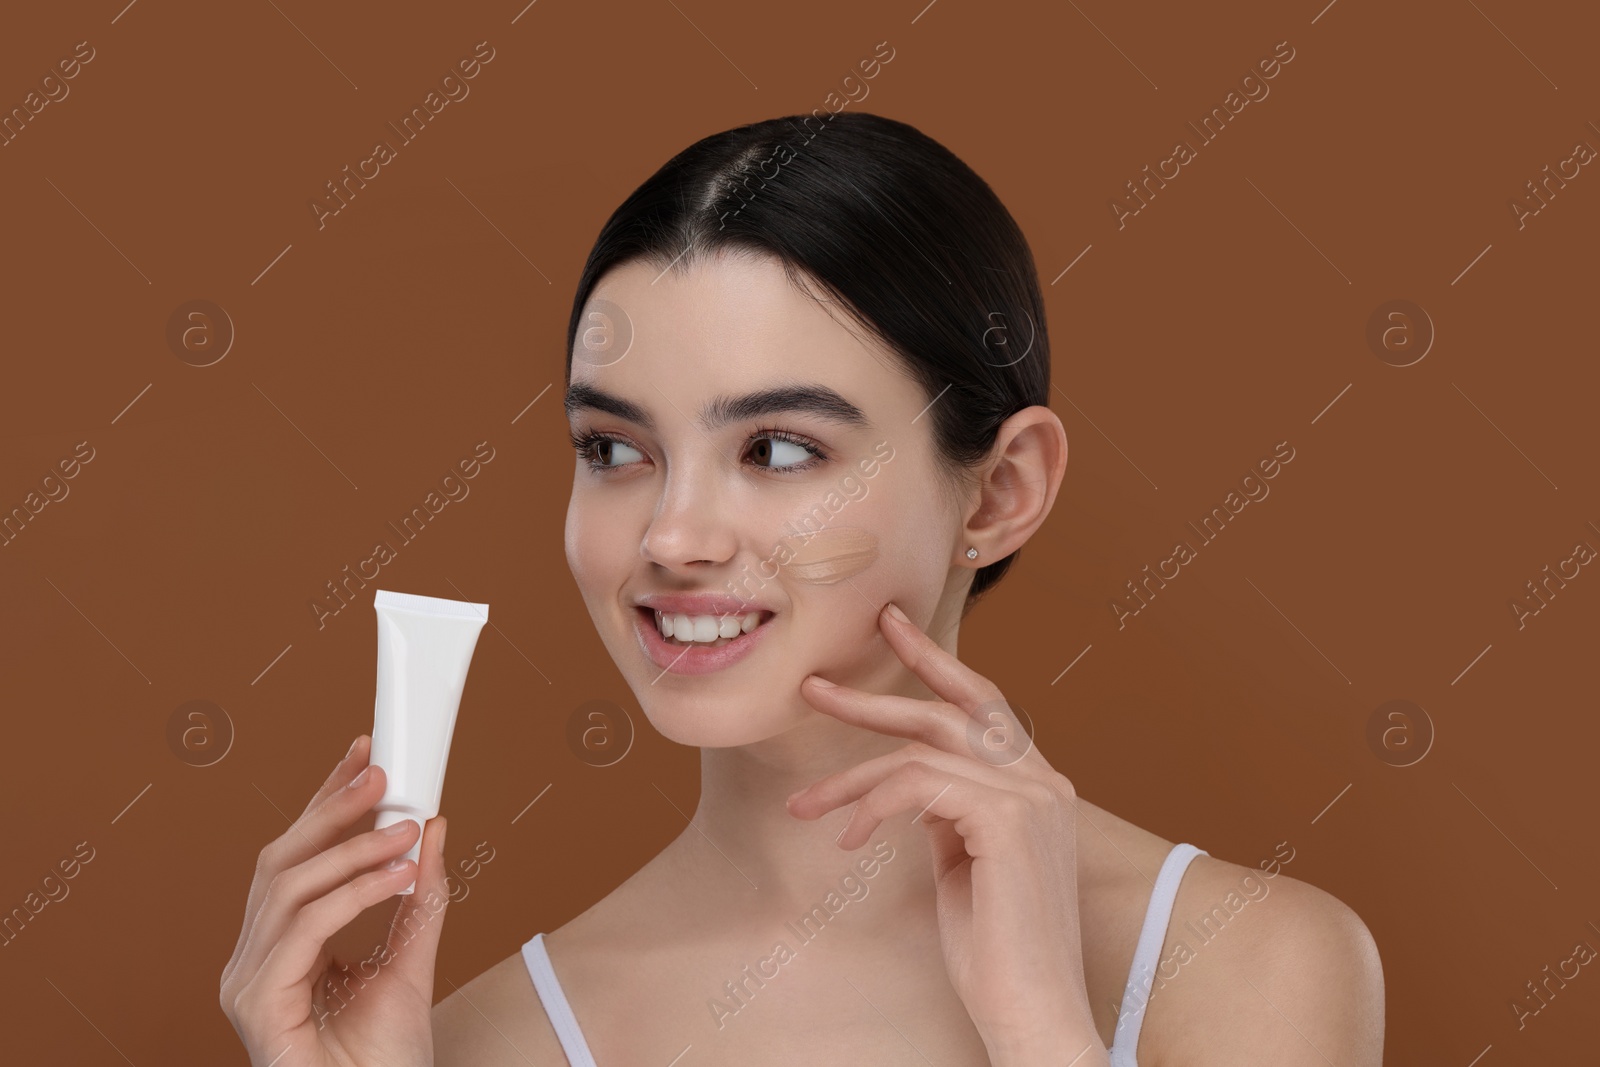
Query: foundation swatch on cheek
(829,555)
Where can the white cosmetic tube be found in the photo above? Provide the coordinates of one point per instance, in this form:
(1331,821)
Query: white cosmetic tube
(424,649)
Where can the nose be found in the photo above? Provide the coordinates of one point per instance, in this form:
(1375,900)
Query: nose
(692,521)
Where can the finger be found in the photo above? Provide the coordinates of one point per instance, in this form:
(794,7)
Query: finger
(281,989)
(853,783)
(935,723)
(354,762)
(294,888)
(414,932)
(270,861)
(321,825)
(979,813)
(991,734)
(941,672)
(319,828)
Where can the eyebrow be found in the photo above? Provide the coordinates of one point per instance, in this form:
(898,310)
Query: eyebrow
(817,400)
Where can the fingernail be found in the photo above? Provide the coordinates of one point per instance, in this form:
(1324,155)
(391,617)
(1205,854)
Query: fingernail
(397,828)
(897,613)
(823,682)
(442,828)
(796,793)
(353,745)
(360,778)
(396,864)
(842,829)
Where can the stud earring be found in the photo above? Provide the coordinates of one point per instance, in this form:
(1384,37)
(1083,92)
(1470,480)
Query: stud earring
(972,553)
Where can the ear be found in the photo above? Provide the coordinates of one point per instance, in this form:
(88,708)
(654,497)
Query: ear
(1018,486)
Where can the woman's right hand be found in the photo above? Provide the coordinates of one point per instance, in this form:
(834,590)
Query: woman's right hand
(291,1002)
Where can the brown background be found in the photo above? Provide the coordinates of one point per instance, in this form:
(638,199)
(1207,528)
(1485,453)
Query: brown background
(1230,315)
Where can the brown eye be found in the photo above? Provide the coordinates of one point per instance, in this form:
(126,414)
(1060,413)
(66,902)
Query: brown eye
(781,453)
(598,451)
(629,453)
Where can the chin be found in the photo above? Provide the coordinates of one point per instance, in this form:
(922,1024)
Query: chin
(706,721)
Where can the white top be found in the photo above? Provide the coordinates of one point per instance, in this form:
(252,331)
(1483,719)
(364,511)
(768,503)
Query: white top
(1136,994)
(1130,1018)
(555,1003)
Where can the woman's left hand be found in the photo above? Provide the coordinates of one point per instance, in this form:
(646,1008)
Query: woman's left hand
(1002,825)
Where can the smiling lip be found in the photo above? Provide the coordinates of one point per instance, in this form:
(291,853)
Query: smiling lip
(700,603)
(690,659)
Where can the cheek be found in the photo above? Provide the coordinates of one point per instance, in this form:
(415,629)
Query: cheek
(881,550)
(594,547)
(830,555)
(905,567)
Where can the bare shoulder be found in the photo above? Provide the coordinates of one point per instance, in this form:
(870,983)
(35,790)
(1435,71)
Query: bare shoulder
(1259,967)
(495,1019)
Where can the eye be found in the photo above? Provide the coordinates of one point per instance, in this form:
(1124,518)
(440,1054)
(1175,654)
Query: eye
(774,450)
(599,450)
(777,450)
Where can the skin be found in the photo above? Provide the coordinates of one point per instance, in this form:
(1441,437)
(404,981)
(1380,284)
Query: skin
(957,968)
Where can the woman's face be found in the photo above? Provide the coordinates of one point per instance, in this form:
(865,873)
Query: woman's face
(756,452)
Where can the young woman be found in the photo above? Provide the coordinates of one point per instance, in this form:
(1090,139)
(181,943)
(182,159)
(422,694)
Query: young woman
(808,386)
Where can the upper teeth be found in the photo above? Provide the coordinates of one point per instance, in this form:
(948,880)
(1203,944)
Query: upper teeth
(705,627)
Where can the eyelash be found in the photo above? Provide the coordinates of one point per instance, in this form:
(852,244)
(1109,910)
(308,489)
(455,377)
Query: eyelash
(585,444)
